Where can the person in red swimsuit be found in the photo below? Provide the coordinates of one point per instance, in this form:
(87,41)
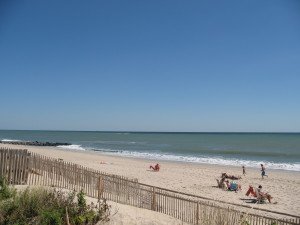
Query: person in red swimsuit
(156,167)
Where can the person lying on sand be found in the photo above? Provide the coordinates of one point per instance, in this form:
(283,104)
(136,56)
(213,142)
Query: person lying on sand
(232,177)
(155,168)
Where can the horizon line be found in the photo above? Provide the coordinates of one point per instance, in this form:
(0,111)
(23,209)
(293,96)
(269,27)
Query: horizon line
(128,131)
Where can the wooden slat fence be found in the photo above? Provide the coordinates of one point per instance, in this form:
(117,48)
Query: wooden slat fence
(46,171)
(14,165)
(23,167)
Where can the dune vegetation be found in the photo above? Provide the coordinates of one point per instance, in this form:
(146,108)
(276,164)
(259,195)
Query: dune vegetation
(48,206)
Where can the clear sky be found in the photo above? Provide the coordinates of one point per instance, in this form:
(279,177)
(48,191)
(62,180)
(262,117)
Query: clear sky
(150,65)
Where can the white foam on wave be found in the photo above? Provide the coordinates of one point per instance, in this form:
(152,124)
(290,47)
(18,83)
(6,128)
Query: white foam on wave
(209,160)
(71,147)
(9,140)
(119,142)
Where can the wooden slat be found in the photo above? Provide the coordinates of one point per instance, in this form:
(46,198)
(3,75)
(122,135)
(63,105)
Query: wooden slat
(18,167)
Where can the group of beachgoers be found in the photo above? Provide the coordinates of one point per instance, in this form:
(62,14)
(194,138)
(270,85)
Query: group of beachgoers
(260,196)
(226,185)
(232,185)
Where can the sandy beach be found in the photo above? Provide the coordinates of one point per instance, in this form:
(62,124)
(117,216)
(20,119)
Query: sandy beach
(198,179)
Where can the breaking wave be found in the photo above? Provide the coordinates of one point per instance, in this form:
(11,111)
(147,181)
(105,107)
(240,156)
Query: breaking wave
(71,147)
(9,140)
(204,160)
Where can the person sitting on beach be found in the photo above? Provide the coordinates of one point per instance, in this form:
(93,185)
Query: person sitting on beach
(232,177)
(155,168)
(221,183)
(263,195)
(232,186)
(258,194)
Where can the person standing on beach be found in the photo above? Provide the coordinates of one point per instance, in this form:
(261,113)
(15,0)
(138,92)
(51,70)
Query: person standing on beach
(244,170)
(263,171)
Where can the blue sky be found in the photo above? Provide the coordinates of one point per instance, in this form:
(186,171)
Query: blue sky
(150,65)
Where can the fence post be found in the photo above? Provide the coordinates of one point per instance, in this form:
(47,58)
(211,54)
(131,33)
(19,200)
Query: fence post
(153,206)
(27,167)
(100,188)
(197,214)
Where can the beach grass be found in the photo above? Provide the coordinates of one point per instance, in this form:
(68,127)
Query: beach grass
(45,206)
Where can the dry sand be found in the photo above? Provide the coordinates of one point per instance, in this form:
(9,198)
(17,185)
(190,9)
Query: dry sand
(128,215)
(198,179)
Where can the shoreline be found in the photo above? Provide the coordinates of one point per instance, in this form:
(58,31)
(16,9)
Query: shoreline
(185,162)
(188,177)
(141,159)
(150,160)
(106,153)
(275,151)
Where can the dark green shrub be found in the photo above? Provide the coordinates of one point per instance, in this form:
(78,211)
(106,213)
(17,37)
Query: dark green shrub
(81,201)
(51,218)
(5,191)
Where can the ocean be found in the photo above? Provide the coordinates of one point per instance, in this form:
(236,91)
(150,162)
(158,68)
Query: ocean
(276,150)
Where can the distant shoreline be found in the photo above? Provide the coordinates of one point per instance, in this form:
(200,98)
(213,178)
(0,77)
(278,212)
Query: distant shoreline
(33,143)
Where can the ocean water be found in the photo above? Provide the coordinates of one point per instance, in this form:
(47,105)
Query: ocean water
(276,150)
